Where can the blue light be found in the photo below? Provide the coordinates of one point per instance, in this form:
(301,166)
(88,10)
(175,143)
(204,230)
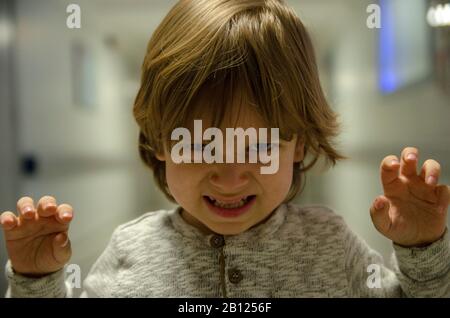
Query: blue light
(388,79)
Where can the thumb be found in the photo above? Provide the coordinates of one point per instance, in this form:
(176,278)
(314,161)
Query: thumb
(62,250)
(379,212)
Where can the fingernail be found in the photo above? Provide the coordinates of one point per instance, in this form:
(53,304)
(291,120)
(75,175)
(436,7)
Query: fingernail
(28,211)
(49,205)
(66,214)
(411,156)
(431,180)
(63,239)
(7,220)
(394,162)
(66,240)
(379,204)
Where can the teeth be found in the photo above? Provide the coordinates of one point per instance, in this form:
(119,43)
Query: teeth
(229,205)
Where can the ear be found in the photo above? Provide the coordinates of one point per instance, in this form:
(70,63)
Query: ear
(160,156)
(299,150)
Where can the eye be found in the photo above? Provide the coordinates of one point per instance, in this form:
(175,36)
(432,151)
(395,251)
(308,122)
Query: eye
(261,147)
(198,147)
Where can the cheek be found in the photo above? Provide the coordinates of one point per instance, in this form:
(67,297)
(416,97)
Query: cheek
(176,177)
(182,180)
(278,185)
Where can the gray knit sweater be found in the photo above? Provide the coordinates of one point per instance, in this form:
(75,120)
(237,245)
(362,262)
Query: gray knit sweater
(305,251)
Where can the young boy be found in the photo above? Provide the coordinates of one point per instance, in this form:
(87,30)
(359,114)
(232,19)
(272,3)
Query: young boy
(240,64)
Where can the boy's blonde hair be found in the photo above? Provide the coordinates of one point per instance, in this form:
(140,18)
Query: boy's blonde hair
(208,50)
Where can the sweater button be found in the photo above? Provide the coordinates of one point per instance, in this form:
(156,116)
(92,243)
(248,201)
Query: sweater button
(234,275)
(217,241)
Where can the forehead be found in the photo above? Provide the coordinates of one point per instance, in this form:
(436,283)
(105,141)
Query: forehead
(239,110)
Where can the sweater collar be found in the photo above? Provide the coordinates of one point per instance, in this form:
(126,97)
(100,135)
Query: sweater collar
(255,234)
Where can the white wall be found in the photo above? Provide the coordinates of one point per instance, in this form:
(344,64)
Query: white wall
(374,126)
(8,158)
(87,154)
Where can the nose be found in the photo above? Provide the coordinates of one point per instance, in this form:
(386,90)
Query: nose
(230,177)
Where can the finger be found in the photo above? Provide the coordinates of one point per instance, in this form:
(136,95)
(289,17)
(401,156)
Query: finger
(8,220)
(408,164)
(430,172)
(389,169)
(443,192)
(62,247)
(26,209)
(47,206)
(379,212)
(64,213)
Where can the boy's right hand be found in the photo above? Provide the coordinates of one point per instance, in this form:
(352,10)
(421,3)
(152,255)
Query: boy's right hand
(37,239)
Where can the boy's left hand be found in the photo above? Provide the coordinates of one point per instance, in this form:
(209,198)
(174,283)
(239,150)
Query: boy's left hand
(413,209)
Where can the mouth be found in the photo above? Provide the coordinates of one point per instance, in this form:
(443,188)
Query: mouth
(229,208)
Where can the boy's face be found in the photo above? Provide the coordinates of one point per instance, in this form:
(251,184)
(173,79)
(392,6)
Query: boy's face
(195,186)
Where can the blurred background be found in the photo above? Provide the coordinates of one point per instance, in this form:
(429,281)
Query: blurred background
(66,126)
